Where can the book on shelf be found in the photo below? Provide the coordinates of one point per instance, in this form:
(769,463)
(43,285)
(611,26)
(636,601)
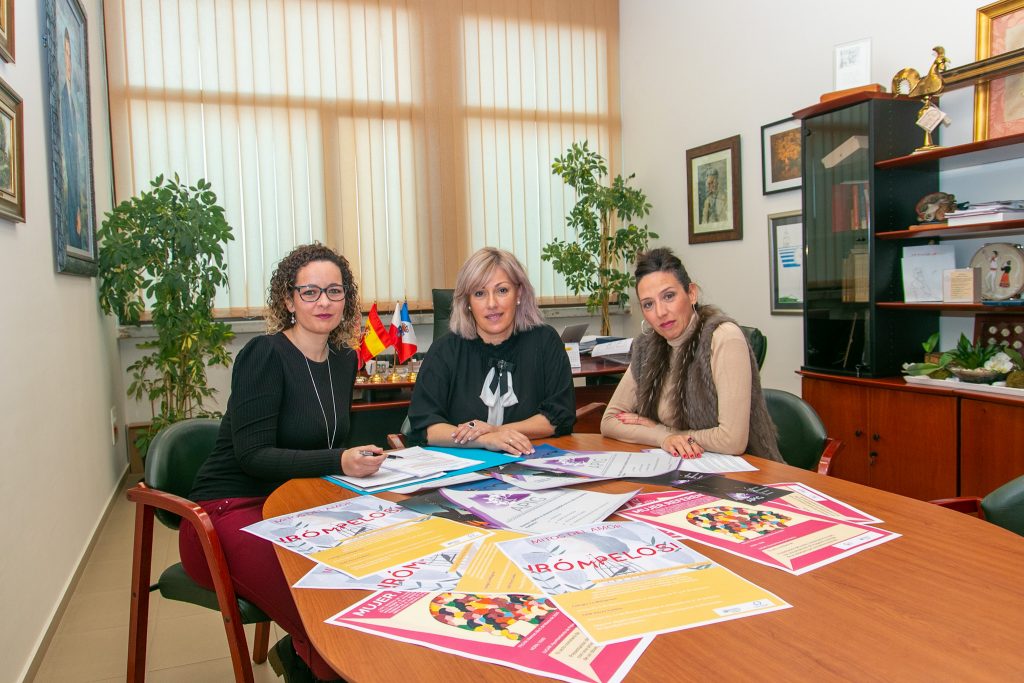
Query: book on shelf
(850,206)
(980,217)
(923,267)
(856,283)
(961,285)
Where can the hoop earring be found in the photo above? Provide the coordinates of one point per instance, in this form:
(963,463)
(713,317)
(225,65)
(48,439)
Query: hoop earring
(644,330)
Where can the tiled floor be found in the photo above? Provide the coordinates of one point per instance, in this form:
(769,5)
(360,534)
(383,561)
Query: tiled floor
(186,643)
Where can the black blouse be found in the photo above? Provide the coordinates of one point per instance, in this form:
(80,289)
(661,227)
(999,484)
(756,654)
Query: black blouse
(451,379)
(274,427)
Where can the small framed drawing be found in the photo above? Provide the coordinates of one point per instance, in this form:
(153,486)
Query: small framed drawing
(999,104)
(12,155)
(780,156)
(71,179)
(7,30)
(786,244)
(851,64)
(713,192)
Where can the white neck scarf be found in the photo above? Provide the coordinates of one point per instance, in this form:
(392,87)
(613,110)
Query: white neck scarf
(497,393)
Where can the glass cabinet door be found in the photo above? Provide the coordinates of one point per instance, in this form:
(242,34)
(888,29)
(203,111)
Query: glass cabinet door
(846,271)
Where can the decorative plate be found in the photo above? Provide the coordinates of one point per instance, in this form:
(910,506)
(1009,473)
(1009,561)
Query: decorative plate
(1002,270)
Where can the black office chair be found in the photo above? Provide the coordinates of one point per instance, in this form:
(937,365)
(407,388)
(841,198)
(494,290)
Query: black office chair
(758,343)
(442,310)
(803,441)
(173,459)
(1003,507)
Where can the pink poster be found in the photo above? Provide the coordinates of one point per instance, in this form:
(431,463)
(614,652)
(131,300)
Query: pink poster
(789,539)
(524,632)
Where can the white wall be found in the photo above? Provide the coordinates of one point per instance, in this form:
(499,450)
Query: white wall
(57,373)
(693,73)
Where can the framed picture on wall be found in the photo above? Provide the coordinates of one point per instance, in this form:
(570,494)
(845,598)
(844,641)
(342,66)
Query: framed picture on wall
(999,104)
(71,177)
(780,156)
(786,247)
(12,155)
(714,195)
(7,30)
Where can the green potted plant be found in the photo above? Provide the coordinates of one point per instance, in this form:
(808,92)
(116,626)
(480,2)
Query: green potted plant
(164,250)
(970,362)
(606,238)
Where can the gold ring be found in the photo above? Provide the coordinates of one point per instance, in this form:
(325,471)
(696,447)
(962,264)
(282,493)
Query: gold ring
(690,440)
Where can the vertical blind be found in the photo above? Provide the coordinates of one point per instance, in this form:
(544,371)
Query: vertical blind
(407,134)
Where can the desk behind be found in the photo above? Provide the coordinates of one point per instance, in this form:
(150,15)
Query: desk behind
(943,602)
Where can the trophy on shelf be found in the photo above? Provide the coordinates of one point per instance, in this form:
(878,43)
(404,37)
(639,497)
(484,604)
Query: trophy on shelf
(910,83)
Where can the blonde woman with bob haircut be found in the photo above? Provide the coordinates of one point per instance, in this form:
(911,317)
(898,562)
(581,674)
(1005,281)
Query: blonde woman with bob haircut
(501,376)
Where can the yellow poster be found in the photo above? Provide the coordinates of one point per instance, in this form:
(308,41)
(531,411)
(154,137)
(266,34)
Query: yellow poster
(623,580)
(380,549)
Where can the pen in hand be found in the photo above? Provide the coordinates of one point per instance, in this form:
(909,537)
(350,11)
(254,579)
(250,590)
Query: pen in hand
(371,454)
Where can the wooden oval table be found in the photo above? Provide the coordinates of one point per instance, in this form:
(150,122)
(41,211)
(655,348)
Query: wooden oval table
(944,602)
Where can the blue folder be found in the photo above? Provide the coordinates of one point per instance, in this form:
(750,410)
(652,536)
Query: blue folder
(486,459)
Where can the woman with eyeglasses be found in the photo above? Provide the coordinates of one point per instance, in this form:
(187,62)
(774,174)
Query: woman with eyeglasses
(501,377)
(692,384)
(287,417)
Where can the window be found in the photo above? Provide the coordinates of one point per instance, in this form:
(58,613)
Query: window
(405,134)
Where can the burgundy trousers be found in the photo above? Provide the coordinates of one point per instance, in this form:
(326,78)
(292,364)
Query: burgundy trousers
(254,569)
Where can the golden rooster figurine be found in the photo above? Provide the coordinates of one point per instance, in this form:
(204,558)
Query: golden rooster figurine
(909,82)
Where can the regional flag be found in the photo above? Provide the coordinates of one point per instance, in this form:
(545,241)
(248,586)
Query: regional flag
(375,337)
(402,334)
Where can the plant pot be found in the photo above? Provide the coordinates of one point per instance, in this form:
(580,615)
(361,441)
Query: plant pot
(977,375)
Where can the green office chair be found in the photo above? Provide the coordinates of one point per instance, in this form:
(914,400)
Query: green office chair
(442,310)
(803,441)
(1003,507)
(758,343)
(174,457)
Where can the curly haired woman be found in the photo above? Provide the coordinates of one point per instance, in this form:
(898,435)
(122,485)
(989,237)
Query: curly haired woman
(287,417)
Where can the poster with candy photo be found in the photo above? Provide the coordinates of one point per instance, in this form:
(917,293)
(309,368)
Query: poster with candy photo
(520,631)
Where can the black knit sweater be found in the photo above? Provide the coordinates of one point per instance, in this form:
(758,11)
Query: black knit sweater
(273,429)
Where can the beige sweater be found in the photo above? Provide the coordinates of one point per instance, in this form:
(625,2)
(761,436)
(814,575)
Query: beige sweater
(730,367)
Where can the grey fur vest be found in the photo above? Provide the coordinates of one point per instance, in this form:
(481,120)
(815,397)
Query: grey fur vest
(696,405)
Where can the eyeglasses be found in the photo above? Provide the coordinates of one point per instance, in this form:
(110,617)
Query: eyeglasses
(311,293)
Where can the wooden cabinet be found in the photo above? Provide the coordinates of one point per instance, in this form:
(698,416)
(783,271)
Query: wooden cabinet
(899,440)
(991,444)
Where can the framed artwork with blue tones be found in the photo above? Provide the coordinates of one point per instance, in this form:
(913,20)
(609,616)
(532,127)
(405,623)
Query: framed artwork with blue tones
(786,240)
(71,176)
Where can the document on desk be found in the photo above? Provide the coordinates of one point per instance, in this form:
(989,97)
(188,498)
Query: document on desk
(523,632)
(803,498)
(608,464)
(714,463)
(623,580)
(535,512)
(365,535)
(783,538)
(407,465)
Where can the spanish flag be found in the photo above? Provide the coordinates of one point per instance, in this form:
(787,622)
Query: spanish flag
(375,338)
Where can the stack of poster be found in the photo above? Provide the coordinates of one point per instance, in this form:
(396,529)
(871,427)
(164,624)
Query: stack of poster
(364,536)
